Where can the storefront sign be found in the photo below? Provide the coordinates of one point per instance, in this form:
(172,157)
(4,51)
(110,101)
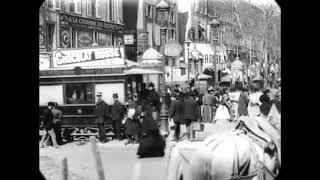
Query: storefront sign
(88,57)
(128,39)
(76,21)
(207,52)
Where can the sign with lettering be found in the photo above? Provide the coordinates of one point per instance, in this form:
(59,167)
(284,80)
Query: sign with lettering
(88,57)
(128,39)
(76,21)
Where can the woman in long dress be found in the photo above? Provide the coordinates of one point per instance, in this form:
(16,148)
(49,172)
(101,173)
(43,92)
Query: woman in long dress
(152,144)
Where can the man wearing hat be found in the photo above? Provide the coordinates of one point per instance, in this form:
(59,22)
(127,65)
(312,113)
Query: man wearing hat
(102,112)
(117,115)
(154,98)
(48,126)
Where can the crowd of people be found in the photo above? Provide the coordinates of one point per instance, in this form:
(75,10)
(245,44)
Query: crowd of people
(138,119)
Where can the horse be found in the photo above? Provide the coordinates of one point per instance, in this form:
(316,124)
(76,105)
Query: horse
(227,156)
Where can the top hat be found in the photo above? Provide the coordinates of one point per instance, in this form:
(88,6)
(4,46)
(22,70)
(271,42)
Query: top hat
(99,93)
(115,95)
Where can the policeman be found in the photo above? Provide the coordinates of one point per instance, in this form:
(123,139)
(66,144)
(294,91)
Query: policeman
(102,112)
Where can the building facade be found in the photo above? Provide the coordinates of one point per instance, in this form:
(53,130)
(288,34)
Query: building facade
(81,53)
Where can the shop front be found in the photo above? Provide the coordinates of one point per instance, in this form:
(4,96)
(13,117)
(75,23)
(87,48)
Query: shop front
(75,77)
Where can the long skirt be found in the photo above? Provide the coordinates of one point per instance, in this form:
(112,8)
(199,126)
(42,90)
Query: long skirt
(132,127)
(207,114)
(151,146)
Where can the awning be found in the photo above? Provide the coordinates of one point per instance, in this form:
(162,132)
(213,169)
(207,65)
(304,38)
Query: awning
(141,71)
(131,63)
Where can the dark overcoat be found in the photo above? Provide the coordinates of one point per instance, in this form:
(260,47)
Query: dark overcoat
(48,120)
(191,109)
(117,111)
(176,111)
(102,112)
(154,99)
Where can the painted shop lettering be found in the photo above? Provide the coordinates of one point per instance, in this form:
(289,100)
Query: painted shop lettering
(78,56)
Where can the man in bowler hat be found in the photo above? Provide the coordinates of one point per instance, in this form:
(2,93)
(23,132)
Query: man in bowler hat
(117,115)
(102,112)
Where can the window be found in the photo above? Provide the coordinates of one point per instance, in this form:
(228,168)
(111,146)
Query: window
(110,10)
(84,7)
(79,93)
(84,38)
(108,89)
(49,3)
(98,10)
(57,4)
(50,33)
(66,5)
(149,11)
(74,38)
(49,93)
(183,71)
(77,6)
(89,7)
(102,39)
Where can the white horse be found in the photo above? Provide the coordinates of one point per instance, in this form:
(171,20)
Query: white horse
(223,157)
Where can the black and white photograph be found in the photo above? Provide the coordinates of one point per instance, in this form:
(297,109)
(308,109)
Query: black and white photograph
(160,90)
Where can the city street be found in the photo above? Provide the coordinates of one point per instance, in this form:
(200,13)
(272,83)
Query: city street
(119,161)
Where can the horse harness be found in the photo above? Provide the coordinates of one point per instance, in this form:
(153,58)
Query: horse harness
(260,168)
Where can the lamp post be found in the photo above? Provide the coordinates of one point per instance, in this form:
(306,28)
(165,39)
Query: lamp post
(215,24)
(187,42)
(163,7)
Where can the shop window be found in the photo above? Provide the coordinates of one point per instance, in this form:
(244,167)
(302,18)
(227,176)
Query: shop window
(102,39)
(108,89)
(84,38)
(79,93)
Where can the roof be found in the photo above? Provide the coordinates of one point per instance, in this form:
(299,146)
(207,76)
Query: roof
(151,54)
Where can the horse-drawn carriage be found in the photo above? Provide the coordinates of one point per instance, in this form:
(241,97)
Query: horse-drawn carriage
(240,154)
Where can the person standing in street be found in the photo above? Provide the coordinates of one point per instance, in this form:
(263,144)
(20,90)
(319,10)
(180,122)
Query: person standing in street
(117,115)
(144,92)
(57,120)
(265,103)
(191,113)
(48,126)
(176,111)
(243,103)
(207,106)
(102,112)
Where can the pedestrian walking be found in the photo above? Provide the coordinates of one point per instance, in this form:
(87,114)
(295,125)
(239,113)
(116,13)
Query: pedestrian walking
(243,103)
(265,103)
(117,115)
(176,112)
(152,143)
(191,113)
(102,113)
(48,126)
(57,120)
(208,100)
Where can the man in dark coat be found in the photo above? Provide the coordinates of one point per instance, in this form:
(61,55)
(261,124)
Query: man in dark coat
(208,103)
(243,103)
(117,115)
(57,120)
(154,98)
(265,103)
(152,143)
(144,93)
(176,111)
(102,112)
(48,126)
(191,113)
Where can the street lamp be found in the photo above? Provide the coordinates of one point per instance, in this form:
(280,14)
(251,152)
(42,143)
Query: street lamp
(163,7)
(215,24)
(187,42)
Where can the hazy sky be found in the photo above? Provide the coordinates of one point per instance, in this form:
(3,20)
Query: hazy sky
(184,4)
